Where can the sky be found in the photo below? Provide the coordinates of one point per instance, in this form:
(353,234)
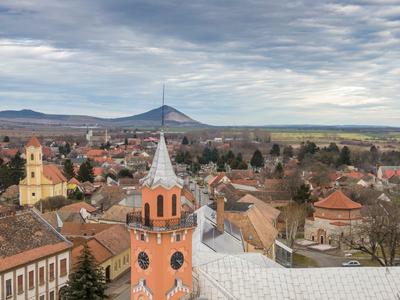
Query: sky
(224,62)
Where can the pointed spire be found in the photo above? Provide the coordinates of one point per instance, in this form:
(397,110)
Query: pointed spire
(161,172)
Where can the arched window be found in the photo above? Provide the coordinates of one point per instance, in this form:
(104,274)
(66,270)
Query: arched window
(173,205)
(32,157)
(160,206)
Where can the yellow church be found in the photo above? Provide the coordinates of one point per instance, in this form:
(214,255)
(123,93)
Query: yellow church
(41,181)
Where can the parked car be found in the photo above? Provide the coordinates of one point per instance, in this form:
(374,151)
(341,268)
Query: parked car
(351,263)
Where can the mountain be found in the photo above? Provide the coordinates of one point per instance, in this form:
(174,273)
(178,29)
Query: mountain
(152,118)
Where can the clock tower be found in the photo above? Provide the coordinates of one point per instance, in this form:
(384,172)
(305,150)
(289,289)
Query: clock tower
(161,235)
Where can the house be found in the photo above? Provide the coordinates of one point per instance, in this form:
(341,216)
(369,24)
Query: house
(34,258)
(73,184)
(385,172)
(42,181)
(256,220)
(111,250)
(333,219)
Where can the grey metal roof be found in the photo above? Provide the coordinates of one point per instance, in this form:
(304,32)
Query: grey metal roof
(256,277)
(161,172)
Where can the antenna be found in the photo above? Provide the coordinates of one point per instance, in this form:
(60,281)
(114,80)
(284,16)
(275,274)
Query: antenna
(162,107)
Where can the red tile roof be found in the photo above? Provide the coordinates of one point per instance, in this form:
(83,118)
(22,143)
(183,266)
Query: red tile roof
(32,255)
(73,180)
(53,173)
(33,142)
(76,207)
(216,179)
(337,200)
(100,253)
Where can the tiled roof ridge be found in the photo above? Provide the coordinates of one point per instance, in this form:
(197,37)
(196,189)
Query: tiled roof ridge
(39,217)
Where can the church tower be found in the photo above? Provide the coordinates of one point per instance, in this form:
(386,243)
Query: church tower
(34,170)
(161,235)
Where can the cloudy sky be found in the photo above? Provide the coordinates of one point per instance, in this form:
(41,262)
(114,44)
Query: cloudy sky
(230,62)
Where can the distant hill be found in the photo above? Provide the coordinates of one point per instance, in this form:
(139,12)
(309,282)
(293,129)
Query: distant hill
(152,118)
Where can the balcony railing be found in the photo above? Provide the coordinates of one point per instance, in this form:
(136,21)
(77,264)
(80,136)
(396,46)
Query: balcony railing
(186,220)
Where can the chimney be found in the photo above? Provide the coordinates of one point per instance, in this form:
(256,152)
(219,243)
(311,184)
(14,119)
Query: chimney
(220,213)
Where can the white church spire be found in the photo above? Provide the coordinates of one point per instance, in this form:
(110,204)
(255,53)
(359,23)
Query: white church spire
(161,172)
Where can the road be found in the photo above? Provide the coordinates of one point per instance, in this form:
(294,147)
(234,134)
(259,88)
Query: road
(323,259)
(119,288)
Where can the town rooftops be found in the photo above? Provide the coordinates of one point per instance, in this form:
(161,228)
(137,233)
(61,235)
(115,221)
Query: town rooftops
(161,172)
(337,200)
(33,142)
(25,237)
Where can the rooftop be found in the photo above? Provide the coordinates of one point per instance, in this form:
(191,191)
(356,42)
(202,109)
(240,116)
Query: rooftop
(25,236)
(337,200)
(253,276)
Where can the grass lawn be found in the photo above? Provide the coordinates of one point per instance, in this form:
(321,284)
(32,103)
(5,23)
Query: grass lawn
(301,261)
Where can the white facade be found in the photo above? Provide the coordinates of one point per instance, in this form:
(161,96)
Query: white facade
(12,287)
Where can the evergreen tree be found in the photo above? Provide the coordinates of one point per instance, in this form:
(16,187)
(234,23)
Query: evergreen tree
(307,148)
(87,281)
(16,168)
(214,155)
(125,173)
(257,161)
(344,157)
(333,148)
(278,173)
(239,157)
(185,141)
(288,152)
(6,139)
(69,169)
(85,172)
(302,194)
(64,149)
(275,150)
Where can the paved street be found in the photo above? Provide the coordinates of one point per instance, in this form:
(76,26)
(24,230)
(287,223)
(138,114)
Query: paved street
(119,289)
(323,259)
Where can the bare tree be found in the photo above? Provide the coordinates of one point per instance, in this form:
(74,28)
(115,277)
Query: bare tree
(379,233)
(294,215)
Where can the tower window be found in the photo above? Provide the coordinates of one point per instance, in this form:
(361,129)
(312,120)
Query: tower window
(160,206)
(32,157)
(173,205)
(33,194)
(32,174)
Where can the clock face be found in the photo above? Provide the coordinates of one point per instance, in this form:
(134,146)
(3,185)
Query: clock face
(177,260)
(143,260)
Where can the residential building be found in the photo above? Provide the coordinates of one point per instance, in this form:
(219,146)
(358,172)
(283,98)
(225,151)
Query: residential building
(34,257)
(42,180)
(110,248)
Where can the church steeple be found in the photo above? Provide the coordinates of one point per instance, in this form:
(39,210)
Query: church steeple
(161,172)
(161,235)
